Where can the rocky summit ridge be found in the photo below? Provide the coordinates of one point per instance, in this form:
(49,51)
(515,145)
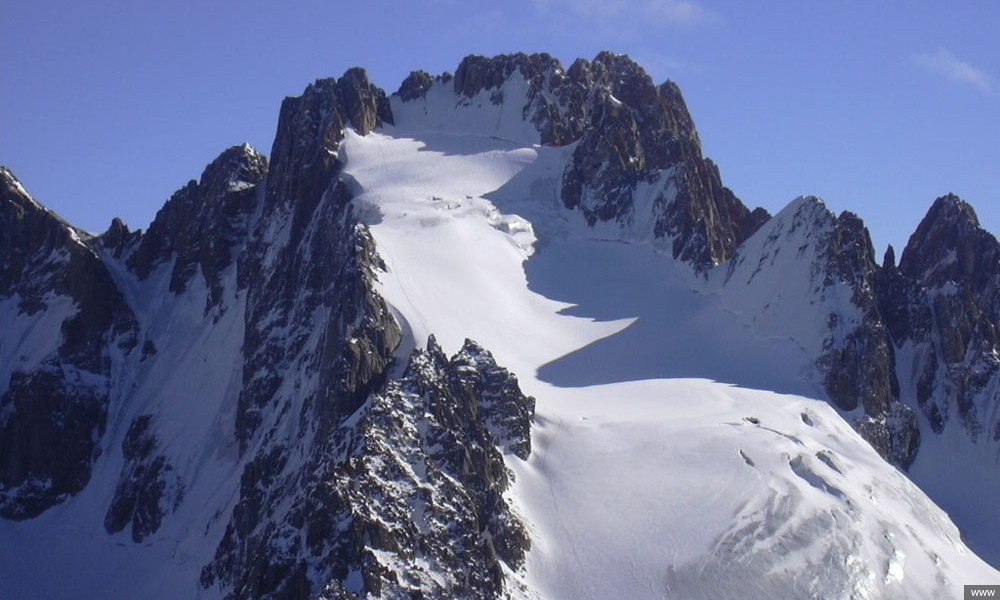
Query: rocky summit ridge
(355,464)
(627,131)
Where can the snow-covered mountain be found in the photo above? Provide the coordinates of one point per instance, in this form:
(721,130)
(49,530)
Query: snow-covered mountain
(500,334)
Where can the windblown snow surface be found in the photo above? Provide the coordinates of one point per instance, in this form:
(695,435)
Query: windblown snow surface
(659,467)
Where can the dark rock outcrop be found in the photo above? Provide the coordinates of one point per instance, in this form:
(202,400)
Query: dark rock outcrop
(47,440)
(147,489)
(920,337)
(53,408)
(857,365)
(507,413)
(943,303)
(318,342)
(310,265)
(639,133)
(352,483)
(440,416)
(818,272)
(476,74)
(406,502)
(202,225)
(633,139)
(118,238)
(310,129)
(415,85)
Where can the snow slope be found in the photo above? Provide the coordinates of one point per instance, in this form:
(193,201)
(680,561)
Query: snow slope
(67,552)
(496,113)
(658,470)
(35,336)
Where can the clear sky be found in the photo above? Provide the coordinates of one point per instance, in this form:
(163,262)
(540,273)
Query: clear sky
(108,107)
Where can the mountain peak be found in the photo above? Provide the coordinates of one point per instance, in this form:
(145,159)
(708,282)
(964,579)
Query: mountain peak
(477,73)
(244,388)
(221,201)
(13,194)
(637,166)
(236,168)
(32,236)
(622,73)
(806,204)
(364,103)
(8,178)
(950,206)
(415,85)
(889,259)
(950,245)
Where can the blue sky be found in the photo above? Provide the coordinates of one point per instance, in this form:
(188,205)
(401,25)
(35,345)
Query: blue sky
(106,108)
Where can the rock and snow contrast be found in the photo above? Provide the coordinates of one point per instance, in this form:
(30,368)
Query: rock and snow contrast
(500,334)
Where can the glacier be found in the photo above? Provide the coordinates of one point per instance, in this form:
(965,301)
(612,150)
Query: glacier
(684,443)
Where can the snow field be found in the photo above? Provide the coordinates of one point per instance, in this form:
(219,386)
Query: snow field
(660,469)
(651,475)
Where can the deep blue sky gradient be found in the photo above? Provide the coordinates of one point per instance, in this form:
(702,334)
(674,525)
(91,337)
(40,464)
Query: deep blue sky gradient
(106,108)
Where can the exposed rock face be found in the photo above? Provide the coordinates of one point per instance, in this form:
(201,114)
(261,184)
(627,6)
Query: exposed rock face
(897,340)
(858,362)
(810,276)
(119,238)
(507,412)
(364,104)
(202,224)
(318,341)
(444,415)
(316,426)
(639,133)
(310,267)
(406,502)
(942,304)
(310,128)
(147,489)
(352,483)
(55,398)
(415,85)
(637,161)
(47,446)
